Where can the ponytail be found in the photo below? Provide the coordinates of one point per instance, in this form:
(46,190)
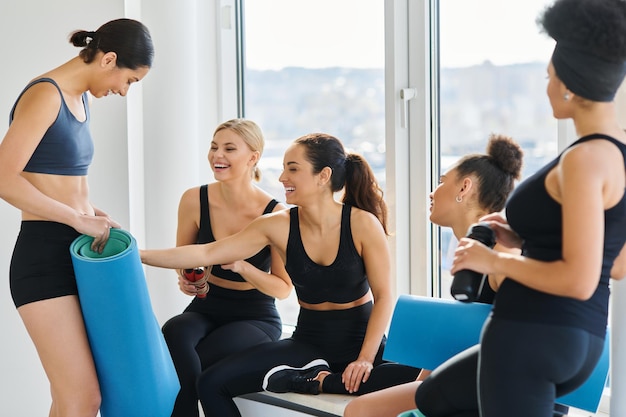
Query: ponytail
(362,189)
(350,172)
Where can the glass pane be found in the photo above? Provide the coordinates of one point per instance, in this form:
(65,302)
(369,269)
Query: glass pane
(492,80)
(314,66)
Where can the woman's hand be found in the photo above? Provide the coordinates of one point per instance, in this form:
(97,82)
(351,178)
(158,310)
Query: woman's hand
(237,266)
(504,234)
(473,255)
(356,373)
(97,227)
(188,287)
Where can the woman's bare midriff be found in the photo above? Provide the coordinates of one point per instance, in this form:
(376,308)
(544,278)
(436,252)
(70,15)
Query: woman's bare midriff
(231,285)
(337,306)
(67,189)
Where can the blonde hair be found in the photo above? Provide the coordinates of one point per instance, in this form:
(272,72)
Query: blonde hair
(251,134)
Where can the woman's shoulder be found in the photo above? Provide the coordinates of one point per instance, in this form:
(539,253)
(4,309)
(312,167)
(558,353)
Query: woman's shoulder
(363,222)
(40,93)
(191,193)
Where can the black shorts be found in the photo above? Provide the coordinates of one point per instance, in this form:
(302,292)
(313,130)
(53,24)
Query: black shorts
(41,266)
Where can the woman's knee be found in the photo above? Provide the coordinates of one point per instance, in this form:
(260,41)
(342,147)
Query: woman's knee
(77,403)
(173,328)
(355,408)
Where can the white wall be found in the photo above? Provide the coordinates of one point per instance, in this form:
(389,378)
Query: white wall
(150,146)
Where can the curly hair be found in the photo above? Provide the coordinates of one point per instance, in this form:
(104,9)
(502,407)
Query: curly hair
(597,26)
(496,171)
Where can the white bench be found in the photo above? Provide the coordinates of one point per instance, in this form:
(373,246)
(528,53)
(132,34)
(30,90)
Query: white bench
(322,405)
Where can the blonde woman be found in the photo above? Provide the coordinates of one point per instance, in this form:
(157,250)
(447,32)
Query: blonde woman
(238,311)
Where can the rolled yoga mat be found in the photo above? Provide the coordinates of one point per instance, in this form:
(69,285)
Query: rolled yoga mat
(135,370)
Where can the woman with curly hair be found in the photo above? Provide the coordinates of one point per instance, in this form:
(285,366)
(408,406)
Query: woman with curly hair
(476,185)
(547,329)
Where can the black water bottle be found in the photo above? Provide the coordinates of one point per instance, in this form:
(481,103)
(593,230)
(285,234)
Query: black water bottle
(467,284)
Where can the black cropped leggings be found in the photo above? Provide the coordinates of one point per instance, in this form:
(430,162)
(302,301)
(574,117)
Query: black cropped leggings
(197,342)
(335,336)
(518,371)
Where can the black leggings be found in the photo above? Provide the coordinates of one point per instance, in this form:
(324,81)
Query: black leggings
(197,342)
(243,373)
(518,363)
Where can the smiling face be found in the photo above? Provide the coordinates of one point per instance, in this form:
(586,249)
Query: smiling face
(297,176)
(230,157)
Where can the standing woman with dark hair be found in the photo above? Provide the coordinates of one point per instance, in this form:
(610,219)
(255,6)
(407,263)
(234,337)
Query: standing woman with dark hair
(548,325)
(44,160)
(338,259)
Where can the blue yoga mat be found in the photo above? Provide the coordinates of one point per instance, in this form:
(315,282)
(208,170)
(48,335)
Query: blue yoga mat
(135,370)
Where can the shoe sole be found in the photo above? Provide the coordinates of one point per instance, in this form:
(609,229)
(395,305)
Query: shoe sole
(316,362)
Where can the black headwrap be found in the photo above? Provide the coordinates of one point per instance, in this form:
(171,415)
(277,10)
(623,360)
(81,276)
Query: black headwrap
(586,75)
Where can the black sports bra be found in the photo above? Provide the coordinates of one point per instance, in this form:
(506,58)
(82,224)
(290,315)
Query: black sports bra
(343,281)
(262,260)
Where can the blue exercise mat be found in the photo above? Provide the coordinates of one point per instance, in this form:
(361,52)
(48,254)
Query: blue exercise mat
(135,370)
(426,331)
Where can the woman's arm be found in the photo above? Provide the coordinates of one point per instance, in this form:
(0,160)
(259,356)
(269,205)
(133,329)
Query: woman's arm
(187,232)
(370,236)
(35,112)
(271,229)
(583,174)
(276,284)
(495,280)
(619,265)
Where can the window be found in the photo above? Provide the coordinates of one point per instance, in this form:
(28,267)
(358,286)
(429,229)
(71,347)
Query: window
(492,80)
(314,66)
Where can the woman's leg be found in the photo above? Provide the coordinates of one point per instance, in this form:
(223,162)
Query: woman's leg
(234,337)
(384,375)
(196,343)
(388,402)
(451,389)
(524,366)
(57,329)
(182,334)
(242,373)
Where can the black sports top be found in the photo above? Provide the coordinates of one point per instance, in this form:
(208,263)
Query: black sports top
(262,260)
(537,219)
(343,281)
(67,147)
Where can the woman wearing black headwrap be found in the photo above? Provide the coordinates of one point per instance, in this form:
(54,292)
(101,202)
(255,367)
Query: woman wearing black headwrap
(547,329)
(548,325)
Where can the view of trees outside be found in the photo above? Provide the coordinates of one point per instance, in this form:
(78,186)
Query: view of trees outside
(298,79)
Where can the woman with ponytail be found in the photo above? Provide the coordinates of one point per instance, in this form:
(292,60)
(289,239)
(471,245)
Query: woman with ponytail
(337,256)
(44,161)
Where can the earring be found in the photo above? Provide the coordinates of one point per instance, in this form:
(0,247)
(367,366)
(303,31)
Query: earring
(566,96)
(458,199)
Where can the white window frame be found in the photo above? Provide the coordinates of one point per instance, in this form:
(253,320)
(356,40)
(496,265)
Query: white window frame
(412,152)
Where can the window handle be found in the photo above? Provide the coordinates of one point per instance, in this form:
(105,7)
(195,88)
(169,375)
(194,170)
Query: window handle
(406,94)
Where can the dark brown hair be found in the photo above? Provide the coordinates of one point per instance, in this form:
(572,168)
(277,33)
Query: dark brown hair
(128,38)
(350,172)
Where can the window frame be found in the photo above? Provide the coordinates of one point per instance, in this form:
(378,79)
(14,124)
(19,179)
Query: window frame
(412,152)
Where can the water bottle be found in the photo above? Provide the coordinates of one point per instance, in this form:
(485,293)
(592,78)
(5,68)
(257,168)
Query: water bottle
(467,284)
